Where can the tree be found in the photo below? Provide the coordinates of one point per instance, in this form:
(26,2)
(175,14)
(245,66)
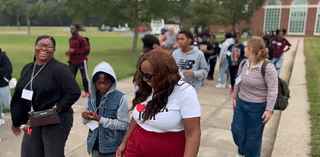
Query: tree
(240,10)
(133,12)
(14,9)
(206,13)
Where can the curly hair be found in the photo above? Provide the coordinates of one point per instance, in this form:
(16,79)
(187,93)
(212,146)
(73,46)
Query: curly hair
(258,48)
(166,76)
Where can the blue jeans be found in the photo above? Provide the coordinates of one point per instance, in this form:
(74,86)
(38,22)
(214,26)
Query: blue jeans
(5,98)
(223,70)
(278,63)
(247,127)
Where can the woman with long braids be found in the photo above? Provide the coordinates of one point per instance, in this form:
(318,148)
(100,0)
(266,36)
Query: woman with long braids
(166,111)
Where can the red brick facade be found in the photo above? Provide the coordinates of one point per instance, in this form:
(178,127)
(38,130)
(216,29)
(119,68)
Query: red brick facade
(259,19)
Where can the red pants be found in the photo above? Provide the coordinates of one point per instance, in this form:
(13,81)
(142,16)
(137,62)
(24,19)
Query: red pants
(142,143)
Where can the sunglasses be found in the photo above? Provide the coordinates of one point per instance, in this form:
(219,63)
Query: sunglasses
(146,76)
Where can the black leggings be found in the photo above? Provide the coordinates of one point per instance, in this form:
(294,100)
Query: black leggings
(233,74)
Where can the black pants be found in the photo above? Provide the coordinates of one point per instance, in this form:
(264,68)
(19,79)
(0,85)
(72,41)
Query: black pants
(233,74)
(212,63)
(48,141)
(84,73)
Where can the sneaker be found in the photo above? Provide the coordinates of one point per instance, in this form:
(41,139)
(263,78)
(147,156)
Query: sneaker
(231,90)
(220,85)
(209,78)
(86,94)
(1,122)
(228,86)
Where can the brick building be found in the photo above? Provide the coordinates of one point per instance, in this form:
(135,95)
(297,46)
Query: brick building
(299,17)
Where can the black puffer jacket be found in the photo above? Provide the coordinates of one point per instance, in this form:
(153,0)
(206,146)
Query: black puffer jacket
(5,69)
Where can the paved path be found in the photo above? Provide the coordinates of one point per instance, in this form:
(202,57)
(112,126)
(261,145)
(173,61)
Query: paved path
(216,108)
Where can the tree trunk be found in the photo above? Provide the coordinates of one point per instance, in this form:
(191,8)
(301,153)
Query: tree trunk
(136,21)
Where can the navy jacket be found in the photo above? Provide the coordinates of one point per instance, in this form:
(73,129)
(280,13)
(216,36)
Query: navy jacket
(5,69)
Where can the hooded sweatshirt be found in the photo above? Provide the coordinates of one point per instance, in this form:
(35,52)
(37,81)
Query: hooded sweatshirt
(224,49)
(193,60)
(113,111)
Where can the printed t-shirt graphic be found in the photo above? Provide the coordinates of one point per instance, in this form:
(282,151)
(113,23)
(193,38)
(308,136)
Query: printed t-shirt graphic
(182,103)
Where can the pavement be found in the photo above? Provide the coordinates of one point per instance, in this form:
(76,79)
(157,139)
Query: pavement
(287,134)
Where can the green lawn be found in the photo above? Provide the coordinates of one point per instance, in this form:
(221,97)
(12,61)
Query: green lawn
(57,31)
(114,50)
(311,50)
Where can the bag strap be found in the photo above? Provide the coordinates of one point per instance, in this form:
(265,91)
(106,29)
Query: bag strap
(263,68)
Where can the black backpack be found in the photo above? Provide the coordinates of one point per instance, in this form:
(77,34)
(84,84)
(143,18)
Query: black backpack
(283,89)
(86,53)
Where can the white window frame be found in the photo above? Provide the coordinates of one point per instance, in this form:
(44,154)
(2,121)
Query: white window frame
(315,26)
(305,21)
(272,7)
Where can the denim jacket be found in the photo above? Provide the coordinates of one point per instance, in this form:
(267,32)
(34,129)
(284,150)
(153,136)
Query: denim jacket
(114,113)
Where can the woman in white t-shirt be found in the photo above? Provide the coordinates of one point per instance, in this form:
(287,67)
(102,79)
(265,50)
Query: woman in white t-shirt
(166,111)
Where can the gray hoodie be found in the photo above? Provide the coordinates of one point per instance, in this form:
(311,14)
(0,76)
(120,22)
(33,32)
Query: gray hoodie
(193,60)
(123,119)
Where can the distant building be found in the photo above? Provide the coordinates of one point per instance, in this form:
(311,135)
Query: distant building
(299,17)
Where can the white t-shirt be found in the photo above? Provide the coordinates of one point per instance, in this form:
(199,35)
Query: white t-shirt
(182,103)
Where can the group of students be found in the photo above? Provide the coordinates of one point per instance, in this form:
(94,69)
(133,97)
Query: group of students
(232,53)
(165,108)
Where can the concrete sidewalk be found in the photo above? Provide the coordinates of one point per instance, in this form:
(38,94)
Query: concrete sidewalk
(216,108)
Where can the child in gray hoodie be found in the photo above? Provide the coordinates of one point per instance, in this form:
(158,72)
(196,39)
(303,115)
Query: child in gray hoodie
(106,113)
(192,65)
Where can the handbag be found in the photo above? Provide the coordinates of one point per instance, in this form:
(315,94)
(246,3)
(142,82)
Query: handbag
(43,118)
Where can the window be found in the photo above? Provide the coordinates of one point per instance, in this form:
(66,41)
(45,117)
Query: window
(298,17)
(272,16)
(317,30)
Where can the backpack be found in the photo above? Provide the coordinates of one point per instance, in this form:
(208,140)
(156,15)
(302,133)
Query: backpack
(283,89)
(86,53)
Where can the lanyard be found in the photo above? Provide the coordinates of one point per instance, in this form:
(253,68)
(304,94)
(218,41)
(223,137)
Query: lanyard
(33,76)
(93,106)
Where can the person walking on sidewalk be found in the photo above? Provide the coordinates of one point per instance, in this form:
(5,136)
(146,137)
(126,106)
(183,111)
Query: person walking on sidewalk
(171,40)
(148,41)
(224,65)
(44,84)
(254,98)
(5,77)
(77,53)
(166,111)
(192,65)
(107,108)
(234,56)
(280,45)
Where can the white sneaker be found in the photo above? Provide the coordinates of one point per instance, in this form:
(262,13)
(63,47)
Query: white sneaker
(220,85)
(1,122)
(228,86)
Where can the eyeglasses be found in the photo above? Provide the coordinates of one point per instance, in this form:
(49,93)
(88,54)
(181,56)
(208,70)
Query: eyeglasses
(146,76)
(44,46)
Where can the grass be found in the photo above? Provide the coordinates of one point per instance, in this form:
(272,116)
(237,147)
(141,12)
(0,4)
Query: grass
(311,50)
(57,31)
